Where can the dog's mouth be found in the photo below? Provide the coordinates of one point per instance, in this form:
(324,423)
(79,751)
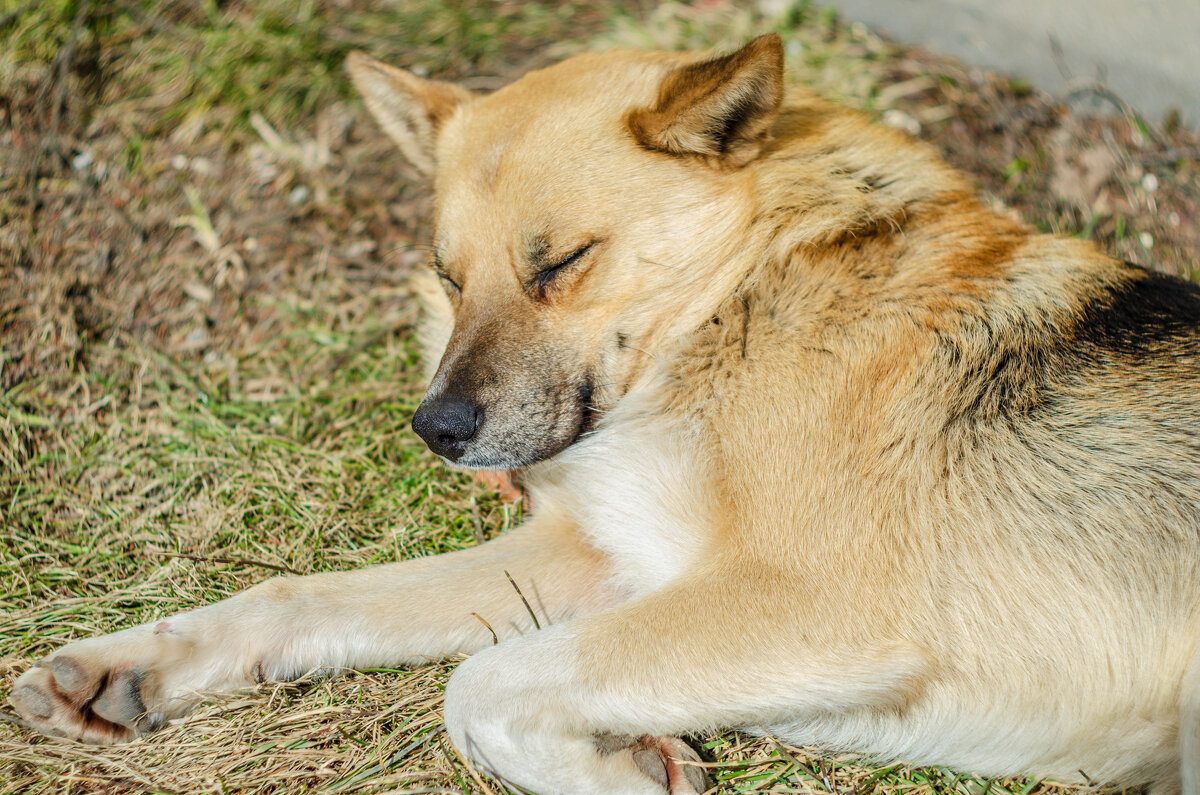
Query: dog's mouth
(587,416)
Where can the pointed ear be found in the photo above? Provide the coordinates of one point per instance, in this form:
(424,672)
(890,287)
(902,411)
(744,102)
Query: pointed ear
(720,109)
(410,109)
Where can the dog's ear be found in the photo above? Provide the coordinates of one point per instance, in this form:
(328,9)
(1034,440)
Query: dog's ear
(720,109)
(410,109)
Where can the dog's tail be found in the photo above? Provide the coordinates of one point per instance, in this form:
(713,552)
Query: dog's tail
(1189,732)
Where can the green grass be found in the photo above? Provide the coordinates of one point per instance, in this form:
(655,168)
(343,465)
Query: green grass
(281,58)
(226,392)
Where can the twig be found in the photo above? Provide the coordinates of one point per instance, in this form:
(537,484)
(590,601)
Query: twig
(1060,58)
(65,57)
(517,588)
(1100,91)
(234,561)
(58,95)
(482,620)
(781,748)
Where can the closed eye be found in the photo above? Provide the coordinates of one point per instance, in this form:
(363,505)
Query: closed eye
(440,270)
(547,275)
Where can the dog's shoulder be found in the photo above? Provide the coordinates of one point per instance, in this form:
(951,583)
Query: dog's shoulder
(884,277)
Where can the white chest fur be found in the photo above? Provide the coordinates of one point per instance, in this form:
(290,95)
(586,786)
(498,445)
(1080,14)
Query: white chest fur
(637,489)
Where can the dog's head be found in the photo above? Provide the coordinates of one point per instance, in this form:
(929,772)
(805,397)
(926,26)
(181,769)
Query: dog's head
(584,216)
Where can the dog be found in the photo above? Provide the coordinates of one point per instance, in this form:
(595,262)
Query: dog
(817,444)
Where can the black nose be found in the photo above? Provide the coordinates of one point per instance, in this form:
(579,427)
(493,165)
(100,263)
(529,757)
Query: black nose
(447,424)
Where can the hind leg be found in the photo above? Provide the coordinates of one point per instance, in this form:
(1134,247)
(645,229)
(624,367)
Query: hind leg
(594,705)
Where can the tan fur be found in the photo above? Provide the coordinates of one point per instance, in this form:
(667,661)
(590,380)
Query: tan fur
(816,443)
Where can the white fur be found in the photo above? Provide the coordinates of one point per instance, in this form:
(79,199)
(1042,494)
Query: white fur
(636,488)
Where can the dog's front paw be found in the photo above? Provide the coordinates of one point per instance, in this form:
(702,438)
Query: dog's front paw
(63,696)
(113,688)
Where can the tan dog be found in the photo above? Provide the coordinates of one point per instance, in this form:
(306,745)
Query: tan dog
(816,444)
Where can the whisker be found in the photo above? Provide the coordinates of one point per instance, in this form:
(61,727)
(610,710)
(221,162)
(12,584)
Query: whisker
(402,247)
(659,264)
(639,350)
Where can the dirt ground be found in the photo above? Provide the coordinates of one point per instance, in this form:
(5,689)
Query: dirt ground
(206,365)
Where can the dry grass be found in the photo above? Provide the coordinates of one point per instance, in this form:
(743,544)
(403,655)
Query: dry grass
(206,370)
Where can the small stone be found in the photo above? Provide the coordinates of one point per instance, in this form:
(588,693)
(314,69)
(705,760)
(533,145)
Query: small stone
(198,292)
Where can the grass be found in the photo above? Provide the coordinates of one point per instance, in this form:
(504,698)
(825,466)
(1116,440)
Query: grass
(206,363)
(222,62)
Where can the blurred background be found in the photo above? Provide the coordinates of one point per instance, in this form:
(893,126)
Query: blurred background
(1146,53)
(206,365)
